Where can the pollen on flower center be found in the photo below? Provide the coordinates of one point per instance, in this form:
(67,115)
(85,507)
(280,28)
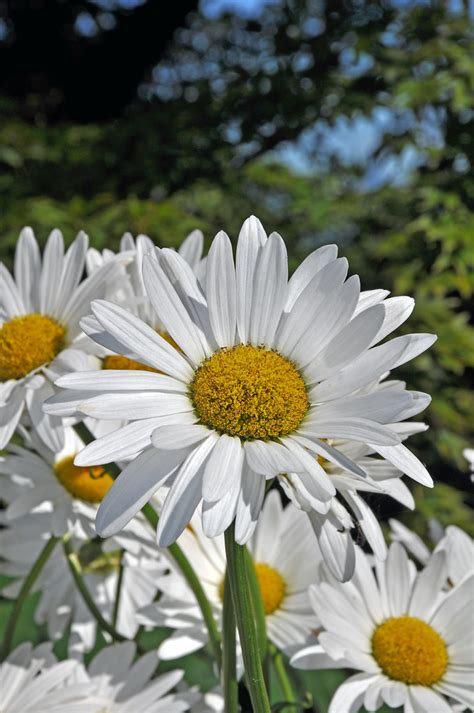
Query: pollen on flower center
(250,392)
(408,649)
(272,587)
(27,342)
(88,483)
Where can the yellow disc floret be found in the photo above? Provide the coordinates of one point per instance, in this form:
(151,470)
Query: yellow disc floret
(114,361)
(408,649)
(250,392)
(28,342)
(272,587)
(88,483)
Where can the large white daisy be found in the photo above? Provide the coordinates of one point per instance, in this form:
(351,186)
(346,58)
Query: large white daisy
(103,565)
(32,681)
(283,551)
(40,309)
(267,370)
(411,640)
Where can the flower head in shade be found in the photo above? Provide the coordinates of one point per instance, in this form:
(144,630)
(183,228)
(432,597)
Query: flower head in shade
(32,681)
(286,561)
(40,309)
(103,564)
(407,636)
(122,685)
(267,370)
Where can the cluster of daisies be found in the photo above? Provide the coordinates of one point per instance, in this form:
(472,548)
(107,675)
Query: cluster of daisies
(152,399)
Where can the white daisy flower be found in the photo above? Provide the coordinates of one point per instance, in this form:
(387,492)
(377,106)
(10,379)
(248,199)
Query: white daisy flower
(123,685)
(283,550)
(410,640)
(457,544)
(32,681)
(267,370)
(39,324)
(43,480)
(61,604)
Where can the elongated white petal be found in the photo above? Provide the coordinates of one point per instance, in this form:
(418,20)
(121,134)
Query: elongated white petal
(131,405)
(141,339)
(397,311)
(134,487)
(306,271)
(428,584)
(356,429)
(171,310)
(192,247)
(404,460)
(72,269)
(179,435)
(120,380)
(269,291)
(223,468)
(51,272)
(27,269)
(251,238)
(221,291)
(337,547)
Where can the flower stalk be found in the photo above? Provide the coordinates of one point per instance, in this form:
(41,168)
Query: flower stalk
(229,672)
(244,610)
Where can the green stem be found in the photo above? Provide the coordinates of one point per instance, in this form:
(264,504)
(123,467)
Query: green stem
(260,619)
(24,591)
(118,591)
(177,554)
(245,617)
(190,576)
(76,571)
(284,680)
(229,674)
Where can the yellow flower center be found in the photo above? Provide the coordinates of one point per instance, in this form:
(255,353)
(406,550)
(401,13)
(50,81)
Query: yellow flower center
(27,342)
(249,392)
(85,483)
(272,587)
(408,649)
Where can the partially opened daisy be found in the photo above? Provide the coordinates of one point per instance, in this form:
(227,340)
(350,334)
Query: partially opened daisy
(266,370)
(40,309)
(286,561)
(32,681)
(411,640)
(122,685)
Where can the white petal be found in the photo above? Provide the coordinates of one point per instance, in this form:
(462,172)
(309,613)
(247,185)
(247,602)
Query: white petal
(179,435)
(397,579)
(331,454)
(223,468)
(134,487)
(191,248)
(349,696)
(172,312)
(397,311)
(72,269)
(218,515)
(347,345)
(120,380)
(427,586)
(141,339)
(51,272)
(310,465)
(380,406)
(270,458)
(250,501)
(305,272)
(356,429)
(269,291)
(369,524)
(185,493)
(11,301)
(131,405)
(251,239)
(404,460)
(368,298)
(27,269)
(89,289)
(426,700)
(337,547)
(220,290)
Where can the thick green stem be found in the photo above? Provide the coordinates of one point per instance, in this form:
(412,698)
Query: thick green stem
(76,571)
(245,618)
(229,673)
(24,591)
(260,619)
(284,680)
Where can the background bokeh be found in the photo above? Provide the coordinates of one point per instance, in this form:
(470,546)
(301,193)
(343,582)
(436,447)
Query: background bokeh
(346,121)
